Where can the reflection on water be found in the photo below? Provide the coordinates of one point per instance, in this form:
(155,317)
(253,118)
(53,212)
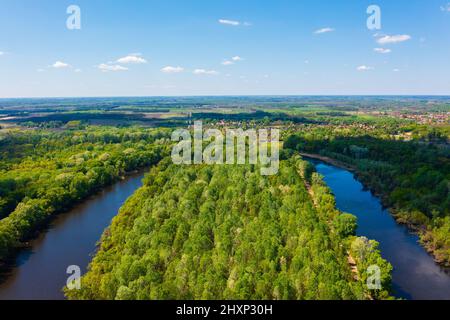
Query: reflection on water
(415,275)
(39,272)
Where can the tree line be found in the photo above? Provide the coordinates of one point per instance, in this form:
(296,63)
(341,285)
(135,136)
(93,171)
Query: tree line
(43,173)
(226,232)
(412,177)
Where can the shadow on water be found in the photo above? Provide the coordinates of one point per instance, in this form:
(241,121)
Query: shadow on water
(39,270)
(415,275)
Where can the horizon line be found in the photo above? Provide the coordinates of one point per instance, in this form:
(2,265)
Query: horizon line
(230,96)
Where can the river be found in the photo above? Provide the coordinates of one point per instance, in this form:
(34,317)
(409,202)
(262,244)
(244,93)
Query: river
(39,272)
(416,276)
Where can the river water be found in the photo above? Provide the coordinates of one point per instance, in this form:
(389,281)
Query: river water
(416,276)
(39,272)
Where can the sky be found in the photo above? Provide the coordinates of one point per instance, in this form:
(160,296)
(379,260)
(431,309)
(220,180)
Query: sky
(223,47)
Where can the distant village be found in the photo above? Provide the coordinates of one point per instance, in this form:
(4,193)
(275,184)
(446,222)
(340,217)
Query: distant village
(422,118)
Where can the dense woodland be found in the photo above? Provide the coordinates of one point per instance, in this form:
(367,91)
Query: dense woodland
(46,172)
(226,232)
(412,177)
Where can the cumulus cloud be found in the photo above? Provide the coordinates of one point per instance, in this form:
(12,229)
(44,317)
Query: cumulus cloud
(170,69)
(205,72)
(1,53)
(393,39)
(227,63)
(396,70)
(237,58)
(382,50)
(60,65)
(111,67)
(132,58)
(364,68)
(324,30)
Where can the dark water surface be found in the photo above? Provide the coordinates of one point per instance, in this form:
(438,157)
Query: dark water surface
(416,275)
(40,271)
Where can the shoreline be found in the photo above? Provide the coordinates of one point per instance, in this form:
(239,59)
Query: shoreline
(420,230)
(9,262)
(329,160)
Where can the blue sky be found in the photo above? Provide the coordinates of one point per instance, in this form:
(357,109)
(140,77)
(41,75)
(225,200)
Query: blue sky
(186,47)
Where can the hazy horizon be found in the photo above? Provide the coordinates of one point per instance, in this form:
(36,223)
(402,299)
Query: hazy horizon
(236,96)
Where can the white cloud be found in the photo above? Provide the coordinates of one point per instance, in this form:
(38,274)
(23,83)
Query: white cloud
(1,53)
(170,69)
(364,68)
(205,72)
(77,70)
(60,65)
(393,39)
(446,8)
(229,22)
(396,70)
(232,61)
(324,30)
(133,58)
(382,50)
(111,67)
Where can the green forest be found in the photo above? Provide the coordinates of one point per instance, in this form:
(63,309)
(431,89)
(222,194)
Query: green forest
(226,232)
(43,173)
(412,177)
(199,232)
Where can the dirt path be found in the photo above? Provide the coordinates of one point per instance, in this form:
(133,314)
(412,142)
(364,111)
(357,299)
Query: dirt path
(350,260)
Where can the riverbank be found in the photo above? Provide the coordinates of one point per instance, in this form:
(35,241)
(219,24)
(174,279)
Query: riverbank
(331,161)
(426,236)
(39,270)
(415,275)
(7,262)
(350,260)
